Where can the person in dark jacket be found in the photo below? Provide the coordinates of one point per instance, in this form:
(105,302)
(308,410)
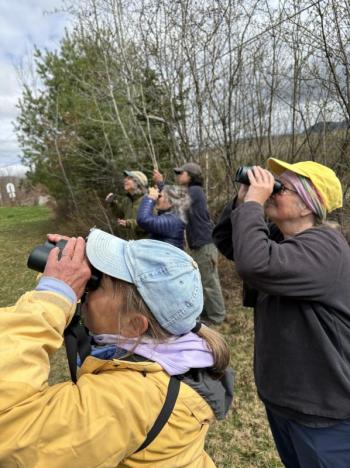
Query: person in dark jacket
(296,274)
(172,204)
(199,239)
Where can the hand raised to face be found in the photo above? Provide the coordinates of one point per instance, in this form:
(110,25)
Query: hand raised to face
(72,267)
(153,193)
(261,185)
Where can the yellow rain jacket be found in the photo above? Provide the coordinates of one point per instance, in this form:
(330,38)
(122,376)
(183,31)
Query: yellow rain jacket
(98,422)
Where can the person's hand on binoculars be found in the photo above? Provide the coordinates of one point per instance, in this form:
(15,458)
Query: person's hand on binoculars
(56,238)
(153,193)
(261,185)
(242,192)
(72,267)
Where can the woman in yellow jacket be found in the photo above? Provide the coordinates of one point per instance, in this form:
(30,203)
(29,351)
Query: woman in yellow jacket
(143,315)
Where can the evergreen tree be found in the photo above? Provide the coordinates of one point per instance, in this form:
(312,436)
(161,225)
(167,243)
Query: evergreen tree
(89,122)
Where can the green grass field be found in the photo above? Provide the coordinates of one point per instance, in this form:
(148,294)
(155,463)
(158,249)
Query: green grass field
(243,440)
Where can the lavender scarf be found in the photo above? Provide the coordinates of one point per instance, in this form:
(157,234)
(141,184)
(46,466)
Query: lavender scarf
(176,356)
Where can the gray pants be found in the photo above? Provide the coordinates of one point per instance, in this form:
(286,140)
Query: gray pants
(207,260)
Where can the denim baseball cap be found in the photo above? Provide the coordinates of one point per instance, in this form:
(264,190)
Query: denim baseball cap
(166,277)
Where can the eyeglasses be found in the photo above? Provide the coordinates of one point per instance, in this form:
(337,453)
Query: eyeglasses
(285,189)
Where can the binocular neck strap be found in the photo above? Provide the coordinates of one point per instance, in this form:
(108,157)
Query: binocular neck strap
(78,343)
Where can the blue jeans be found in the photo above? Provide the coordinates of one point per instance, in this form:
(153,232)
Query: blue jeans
(308,447)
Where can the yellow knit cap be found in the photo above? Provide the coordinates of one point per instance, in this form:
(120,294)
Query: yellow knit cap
(323,178)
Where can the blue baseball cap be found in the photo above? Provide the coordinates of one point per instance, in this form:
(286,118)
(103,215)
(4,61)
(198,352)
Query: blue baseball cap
(166,277)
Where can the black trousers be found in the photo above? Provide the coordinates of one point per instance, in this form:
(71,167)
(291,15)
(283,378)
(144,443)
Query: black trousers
(307,447)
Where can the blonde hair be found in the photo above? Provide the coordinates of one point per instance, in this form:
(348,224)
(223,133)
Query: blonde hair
(218,346)
(133,302)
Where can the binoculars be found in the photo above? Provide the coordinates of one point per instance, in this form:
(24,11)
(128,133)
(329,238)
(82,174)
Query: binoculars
(242,177)
(38,257)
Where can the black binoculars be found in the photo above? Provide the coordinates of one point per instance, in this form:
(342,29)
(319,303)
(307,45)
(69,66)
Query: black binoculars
(38,257)
(242,177)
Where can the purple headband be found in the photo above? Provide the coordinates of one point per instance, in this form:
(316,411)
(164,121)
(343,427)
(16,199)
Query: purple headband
(307,192)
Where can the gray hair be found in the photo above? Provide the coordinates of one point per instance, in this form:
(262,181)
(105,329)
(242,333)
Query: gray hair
(140,189)
(179,199)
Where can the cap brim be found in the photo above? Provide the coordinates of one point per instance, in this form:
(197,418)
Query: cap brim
(106,253)
(277,167)
(178,170)
(127,173)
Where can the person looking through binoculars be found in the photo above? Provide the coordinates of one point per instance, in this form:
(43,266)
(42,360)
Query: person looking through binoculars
(199,239)
(172,204)
(150,388)
(296,271)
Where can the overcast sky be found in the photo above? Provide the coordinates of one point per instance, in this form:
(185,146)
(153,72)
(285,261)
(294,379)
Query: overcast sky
(23,24)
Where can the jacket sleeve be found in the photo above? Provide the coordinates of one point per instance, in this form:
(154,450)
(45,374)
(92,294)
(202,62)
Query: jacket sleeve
(198,201)
(132,229)
(222,233)
(162,225)
(118,207)
(98,421)
(29,332)
(131,224)
(304,266)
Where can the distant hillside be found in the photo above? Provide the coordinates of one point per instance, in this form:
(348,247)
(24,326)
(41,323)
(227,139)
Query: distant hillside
(321,127)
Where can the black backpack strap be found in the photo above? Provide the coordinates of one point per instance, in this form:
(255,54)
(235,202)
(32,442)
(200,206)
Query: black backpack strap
(78,342)
(164,415)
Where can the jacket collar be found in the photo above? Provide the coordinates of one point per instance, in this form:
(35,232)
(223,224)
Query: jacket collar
(93,365)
